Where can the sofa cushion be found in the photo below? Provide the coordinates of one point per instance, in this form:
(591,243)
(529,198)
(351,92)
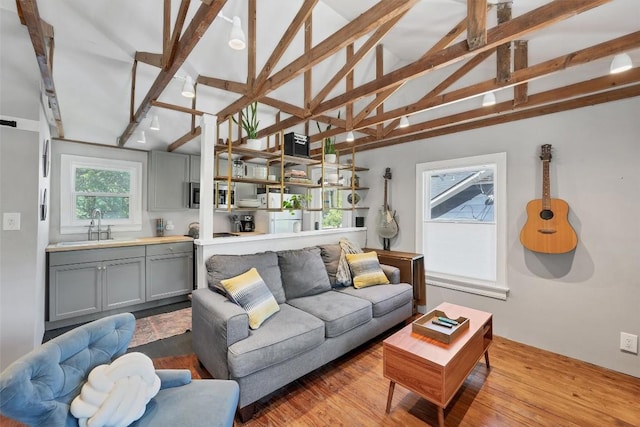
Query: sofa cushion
(385,298)
(249,291)
(366,270)
(285,335)
(331,257)
(303,272)
(221,267)
(339,312)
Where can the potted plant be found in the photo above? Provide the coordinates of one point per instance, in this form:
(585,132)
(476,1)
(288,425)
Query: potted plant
(250,124)
(297,201)
(329,144)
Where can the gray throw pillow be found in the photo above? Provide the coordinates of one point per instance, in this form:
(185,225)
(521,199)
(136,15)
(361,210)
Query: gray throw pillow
(331,256)
(220,267)
(303,272)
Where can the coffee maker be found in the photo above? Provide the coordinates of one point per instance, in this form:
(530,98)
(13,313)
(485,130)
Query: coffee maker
(248,224)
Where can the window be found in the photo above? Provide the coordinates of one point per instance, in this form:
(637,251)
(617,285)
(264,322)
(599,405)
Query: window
(113,186)
(461,223)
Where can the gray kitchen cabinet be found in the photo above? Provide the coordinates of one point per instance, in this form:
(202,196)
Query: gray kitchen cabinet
(94,280)
(169,270)
(168,181)
(194,168)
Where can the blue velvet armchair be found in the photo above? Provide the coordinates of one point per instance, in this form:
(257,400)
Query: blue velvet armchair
(38,388)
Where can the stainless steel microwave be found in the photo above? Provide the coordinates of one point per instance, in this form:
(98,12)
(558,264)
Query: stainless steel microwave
(194,195)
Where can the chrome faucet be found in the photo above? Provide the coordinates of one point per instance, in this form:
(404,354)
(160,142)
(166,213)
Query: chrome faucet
(97,212)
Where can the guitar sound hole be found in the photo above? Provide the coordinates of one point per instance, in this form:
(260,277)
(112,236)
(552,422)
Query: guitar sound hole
(546,214)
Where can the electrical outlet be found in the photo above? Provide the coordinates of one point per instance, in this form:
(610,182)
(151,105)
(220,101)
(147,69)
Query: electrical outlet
(629,342)
(11,221)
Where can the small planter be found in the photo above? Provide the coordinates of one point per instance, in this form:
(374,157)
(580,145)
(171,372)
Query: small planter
(330,158)
(255,144)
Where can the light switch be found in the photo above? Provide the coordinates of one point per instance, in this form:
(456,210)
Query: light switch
(11,221)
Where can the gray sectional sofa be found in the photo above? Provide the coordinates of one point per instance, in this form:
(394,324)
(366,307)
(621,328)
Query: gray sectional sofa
(316,322)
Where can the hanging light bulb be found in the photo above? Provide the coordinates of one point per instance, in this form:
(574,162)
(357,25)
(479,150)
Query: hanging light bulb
(236,36)
(404,122)
(621,62)
(188,91)
(488,99)
(155,123)
(141,138)
(350,137)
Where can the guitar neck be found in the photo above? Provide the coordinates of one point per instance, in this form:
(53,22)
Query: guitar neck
(384,206)
(546,187)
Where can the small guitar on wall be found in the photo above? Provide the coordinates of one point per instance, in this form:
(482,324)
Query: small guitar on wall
(547,229)
(387,224)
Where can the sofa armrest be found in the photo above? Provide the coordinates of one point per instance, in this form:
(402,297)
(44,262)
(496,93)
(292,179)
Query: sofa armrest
(392,273)
(217,323)
(173,377)
(226,319)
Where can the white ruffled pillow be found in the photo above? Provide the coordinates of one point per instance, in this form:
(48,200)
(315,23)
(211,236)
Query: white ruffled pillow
(116,394)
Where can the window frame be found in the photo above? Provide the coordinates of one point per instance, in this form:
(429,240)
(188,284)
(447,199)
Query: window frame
(491,288)
(69,224)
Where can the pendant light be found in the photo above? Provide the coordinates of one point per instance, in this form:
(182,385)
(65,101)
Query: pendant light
(350,137)
(621,62)
(155,123)
(404,122)
(188,91)
(141,138)
(488,99)
(236,36)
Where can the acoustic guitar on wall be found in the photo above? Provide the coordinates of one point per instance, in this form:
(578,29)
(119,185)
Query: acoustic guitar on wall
(547,229)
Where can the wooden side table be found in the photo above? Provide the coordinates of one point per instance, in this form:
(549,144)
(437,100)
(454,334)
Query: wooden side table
(432,369)
(411,267)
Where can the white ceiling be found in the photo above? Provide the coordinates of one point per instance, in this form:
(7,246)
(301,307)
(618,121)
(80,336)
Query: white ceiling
(95,43)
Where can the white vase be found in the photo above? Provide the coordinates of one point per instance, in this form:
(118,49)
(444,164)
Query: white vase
(254,144)
(330,158)
(297,227)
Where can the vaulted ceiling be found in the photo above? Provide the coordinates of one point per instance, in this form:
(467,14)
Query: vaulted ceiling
(109,66)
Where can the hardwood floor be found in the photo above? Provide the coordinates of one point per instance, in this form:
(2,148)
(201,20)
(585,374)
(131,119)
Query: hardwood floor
(526,386)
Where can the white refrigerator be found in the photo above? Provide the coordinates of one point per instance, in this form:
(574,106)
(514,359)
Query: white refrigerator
(276,222)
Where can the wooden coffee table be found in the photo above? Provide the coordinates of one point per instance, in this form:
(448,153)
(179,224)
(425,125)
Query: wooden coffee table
(432,369)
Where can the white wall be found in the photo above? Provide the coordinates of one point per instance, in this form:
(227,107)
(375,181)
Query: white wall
(574,304)
(22,258)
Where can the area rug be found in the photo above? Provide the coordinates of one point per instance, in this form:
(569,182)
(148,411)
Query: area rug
(161,326)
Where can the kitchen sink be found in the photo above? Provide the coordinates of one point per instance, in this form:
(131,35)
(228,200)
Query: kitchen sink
(94,242)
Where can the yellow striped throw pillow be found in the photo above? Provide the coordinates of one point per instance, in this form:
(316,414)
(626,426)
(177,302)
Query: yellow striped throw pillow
(366,270)
(249,291)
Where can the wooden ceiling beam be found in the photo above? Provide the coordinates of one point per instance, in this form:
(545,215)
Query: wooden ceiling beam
(516,28)
(503,52)
(441,44)
(33,22)
(154,59)
(363,24)
(177,31)
(611,47)
(588,100)
(202,19)
(189,136)
(227,85)
(454,77)
(251,50)
(520,62)
(350,65)
(179,108)
(476,24)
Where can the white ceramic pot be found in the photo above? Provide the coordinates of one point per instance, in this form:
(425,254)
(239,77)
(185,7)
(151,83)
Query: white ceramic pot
(330,158)
(297,227)
(254,144)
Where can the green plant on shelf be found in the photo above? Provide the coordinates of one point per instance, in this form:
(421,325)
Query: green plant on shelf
(328,142)
(250,120)
(296,202)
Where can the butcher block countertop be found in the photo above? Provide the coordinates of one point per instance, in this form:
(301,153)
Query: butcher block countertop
(114,243)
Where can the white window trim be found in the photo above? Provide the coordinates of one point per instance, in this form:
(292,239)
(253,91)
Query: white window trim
(499,288)
(70,225)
